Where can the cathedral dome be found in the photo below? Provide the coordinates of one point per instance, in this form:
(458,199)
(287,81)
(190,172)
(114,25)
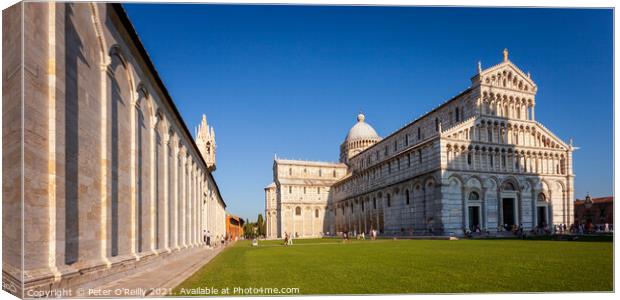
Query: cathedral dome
(361,131)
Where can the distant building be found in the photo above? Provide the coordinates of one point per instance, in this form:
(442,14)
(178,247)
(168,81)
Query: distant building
(234,226)
(479,159)
(596,211)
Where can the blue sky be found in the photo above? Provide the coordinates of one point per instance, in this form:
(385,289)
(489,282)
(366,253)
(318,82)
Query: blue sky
(291,79)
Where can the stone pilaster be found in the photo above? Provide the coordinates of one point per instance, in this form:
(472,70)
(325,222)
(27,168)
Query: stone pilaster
(166,204)
(175,205)
(182,195)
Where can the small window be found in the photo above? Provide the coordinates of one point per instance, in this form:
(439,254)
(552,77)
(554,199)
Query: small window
(385,151)
(456,114)
(304,189)
(362,205)
(436,124)
(389,200)
(298,211)
(420,155)
(290,171)
(474,196)
(409,159)
(320,172)
(316,213)
(374,203)
(395,145)
(318,190)
(290,189)
(406,140)
(335,170)
(407,197)
(419,133)
(469,158)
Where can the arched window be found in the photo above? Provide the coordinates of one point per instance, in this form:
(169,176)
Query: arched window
(374,203)
(290,189)
(407,196)
(362,205)
(316,213)
(456,114)
(298,211)
(389,200)
(436,124)
(542,197)
(474,196)
(508,186)
(290,171)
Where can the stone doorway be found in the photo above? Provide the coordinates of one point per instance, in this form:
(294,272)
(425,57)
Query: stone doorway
(541,214)
(474,217)
(508,211)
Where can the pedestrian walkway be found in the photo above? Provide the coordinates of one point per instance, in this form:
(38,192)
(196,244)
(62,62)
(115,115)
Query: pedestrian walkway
(158,280)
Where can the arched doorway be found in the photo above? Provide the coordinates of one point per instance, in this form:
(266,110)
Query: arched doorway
(509,209)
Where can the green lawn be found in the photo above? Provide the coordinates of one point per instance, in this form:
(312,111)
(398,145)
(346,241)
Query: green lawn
(326,266)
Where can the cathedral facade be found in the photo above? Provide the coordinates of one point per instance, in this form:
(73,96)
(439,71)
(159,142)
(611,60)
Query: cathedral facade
(101,176)
(479,160)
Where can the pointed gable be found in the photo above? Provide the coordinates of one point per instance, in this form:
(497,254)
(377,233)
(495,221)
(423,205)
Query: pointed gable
(507,75)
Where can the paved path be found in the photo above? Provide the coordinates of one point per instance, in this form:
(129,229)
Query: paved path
(158,280)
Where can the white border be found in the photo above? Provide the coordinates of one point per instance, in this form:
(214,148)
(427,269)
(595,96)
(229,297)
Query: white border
(469,3)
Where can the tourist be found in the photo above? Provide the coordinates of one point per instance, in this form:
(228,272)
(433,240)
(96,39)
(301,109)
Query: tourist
(285,239)
(209,239)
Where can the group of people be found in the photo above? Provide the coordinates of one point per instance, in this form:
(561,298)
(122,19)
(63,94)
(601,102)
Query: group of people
(360,236)
(218,241)
(288,240)
(581,228)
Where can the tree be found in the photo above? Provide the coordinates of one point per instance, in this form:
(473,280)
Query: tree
(260,224)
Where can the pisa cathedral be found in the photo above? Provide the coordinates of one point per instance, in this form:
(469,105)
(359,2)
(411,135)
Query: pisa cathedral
(478,160)
(101,176)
